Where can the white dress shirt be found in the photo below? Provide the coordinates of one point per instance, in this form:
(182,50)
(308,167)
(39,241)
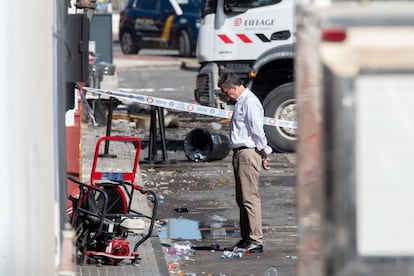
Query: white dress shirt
(246,128)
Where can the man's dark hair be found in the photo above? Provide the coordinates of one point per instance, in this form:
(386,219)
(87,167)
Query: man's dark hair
(227,80)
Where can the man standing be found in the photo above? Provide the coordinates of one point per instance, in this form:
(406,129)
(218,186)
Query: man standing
(249,144)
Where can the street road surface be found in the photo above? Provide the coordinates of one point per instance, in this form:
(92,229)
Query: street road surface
(206,189)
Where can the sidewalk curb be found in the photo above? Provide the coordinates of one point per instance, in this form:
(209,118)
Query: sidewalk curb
(130,65)
(126,62)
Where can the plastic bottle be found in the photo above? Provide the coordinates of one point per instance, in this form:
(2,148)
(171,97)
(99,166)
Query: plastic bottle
(240,250)
(271,271)
(231,254)
(237,255)
(183,248)
(171,250)
(227,254)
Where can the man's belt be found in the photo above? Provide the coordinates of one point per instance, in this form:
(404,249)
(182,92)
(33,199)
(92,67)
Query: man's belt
(239,149)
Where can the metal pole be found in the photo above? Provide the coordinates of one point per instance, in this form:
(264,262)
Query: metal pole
(162,132)
(108,129)
(152,147)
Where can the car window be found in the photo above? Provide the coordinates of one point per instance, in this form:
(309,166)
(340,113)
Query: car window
(146,4)
(190,5)
(208,7)
(166,5)
(132,3)
(235,5)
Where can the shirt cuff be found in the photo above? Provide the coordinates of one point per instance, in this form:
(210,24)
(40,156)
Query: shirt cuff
(268,150)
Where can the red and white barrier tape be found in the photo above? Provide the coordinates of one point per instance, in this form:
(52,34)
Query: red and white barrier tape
(186,107)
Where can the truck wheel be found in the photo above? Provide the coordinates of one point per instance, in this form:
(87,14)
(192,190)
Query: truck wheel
(184,44)
(128,46)
(280,104)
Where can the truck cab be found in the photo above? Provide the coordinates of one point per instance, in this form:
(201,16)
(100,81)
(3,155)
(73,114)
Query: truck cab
(254,39)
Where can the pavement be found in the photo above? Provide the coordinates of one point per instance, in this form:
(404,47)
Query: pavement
(150,252)
(131,62)
(206,190)
(125,62)
(153,256)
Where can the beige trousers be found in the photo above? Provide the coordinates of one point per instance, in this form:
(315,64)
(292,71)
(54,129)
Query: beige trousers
(247,166)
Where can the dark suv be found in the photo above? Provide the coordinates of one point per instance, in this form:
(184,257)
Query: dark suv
(160,24)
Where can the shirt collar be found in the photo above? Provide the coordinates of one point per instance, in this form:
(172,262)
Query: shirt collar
(243,95)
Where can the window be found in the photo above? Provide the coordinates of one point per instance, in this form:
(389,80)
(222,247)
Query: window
(190,5)
(165,6)
(242,5)
(208,6)
(147,4)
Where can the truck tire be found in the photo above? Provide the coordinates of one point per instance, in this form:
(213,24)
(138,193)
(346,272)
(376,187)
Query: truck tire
(280,104)
(128,45)
(184,45)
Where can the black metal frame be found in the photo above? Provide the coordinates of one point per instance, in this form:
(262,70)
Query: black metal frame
(80,221)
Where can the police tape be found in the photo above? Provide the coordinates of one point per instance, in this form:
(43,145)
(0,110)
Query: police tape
(186,107)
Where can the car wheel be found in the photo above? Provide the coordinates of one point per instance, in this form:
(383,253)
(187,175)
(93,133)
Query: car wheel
(280,103)
(128,45)
(184,44)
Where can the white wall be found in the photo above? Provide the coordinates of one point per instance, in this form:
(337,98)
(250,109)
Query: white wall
(26,139)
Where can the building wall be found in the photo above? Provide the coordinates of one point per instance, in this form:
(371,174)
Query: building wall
(27,204)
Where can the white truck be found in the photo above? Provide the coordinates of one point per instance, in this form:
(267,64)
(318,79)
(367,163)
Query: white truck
(254,39)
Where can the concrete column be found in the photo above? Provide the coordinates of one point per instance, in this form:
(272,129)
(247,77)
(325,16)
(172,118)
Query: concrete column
(27,197)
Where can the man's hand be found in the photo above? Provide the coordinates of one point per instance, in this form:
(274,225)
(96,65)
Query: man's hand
(265,163)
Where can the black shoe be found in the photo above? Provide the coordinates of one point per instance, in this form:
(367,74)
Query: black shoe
(252,247)
(239,244)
